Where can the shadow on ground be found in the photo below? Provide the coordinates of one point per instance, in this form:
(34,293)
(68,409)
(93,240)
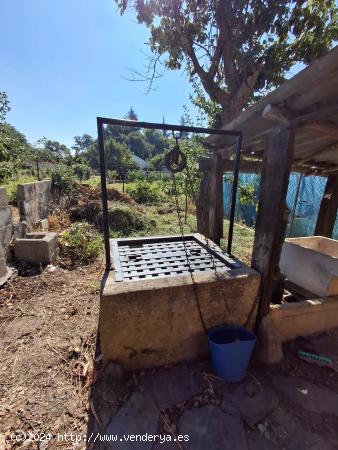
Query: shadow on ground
(290,406)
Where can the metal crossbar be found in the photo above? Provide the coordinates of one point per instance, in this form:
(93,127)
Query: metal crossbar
(101,121)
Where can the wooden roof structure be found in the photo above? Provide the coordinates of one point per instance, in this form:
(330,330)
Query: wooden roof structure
(307,103)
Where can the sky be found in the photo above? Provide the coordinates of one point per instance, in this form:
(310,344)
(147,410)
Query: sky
(64,62)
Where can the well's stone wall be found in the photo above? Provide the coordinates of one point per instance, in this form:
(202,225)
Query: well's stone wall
(156,322)
(34,201)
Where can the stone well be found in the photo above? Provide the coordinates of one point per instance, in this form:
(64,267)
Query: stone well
(149,314)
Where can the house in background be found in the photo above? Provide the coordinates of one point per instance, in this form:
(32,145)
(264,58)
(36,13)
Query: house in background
(141,163)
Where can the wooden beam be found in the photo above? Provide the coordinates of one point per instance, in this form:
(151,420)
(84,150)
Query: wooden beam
(246,166)
(269,223)
(202,205)
(328,208)
(216,200)
(323,129)
(228,165)
(276,114)
(303,92)
(318,115)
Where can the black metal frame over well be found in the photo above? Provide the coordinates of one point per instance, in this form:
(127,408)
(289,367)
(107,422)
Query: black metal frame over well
(101,121)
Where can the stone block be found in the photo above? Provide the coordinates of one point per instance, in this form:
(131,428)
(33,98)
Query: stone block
(34,201)
(6,216)
(5,272)
(252,402)
(3,197)
(36,248)
(3,266)
(171,386)
(6,233)
(209,427)
(137,417)
(312,263)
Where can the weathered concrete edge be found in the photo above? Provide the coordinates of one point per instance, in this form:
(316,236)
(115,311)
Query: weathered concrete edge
(111,287)
(305,318)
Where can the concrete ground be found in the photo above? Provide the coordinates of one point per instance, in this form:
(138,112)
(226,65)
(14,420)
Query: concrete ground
(290,406)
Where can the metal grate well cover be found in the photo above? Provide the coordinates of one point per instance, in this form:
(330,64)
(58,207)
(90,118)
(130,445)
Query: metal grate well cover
(150,258)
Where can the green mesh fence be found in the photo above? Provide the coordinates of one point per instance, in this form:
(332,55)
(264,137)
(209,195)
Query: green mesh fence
(303,200)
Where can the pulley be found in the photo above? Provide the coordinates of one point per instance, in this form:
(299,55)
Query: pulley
(175,160)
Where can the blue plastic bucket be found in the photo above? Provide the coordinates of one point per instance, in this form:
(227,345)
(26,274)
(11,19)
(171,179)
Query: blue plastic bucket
(231,348)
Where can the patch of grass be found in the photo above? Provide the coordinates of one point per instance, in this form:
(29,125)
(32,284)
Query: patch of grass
(11,186)
(127,220)
(242,242)
(93,181)
(146,193)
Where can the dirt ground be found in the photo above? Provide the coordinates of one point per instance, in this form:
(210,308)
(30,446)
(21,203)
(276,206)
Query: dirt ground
(48,330)
(50,379)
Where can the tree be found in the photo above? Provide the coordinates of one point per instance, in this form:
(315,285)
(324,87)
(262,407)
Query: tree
(156,162)
(4,106)
(159,143)
(234,50)
(118,158)
(53,150)
(82,144)
(138,145)
(15,151)
(131,114)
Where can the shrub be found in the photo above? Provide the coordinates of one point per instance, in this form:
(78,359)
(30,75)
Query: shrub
(81,242)
(136,175)
(112,176)
(125,220)
(144,192)
(63,180)
(6,170)
(81,171)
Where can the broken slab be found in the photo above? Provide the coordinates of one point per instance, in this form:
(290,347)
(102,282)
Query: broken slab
(138,416)
(209,428)
(307,395)
(252,402)
(171,386)
(37,248)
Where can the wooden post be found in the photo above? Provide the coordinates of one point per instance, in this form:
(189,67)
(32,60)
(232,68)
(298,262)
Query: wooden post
(328,208)
(202,205)
(269,224)
(216,200)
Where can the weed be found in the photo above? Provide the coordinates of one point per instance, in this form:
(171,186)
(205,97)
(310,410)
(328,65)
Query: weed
(81,242)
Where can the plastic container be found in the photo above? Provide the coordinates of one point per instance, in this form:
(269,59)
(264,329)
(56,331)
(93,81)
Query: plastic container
(231,348)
